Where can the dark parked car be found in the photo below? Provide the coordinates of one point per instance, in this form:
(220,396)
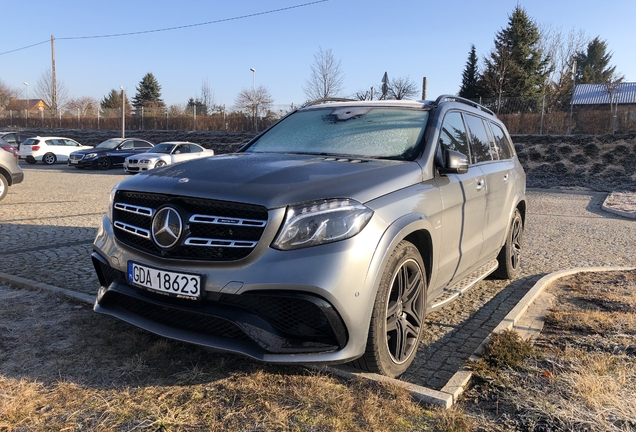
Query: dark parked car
(325,239)
(109,153)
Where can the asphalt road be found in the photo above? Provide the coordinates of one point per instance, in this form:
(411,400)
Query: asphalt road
(48,222)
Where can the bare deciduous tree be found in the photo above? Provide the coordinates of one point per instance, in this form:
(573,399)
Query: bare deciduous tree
(207,96)
(254,101)
(6,94)
(612,86)
(44,89)
(326,79)
(401,88)
(561,49)
(84,104)
(363,95)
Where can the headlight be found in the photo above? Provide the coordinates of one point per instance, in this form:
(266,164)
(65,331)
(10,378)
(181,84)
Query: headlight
(144,161)
(111,199)
(90,156)
(321,222)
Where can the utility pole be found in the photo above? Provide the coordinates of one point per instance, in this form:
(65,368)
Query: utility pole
(54,95)
(123,112)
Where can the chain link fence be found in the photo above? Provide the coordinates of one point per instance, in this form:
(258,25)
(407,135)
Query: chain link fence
(520,117)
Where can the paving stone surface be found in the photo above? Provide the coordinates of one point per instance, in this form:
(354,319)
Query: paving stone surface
(48,222)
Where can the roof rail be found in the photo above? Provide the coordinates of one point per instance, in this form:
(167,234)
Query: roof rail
(452,98)
(325,100)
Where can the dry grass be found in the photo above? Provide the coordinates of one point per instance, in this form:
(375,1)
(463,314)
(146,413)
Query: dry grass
(63,367)
(582,375)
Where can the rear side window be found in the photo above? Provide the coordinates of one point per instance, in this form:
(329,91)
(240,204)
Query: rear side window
(453,134)
(501,141)
(142,145)
(30,141)
(479,139)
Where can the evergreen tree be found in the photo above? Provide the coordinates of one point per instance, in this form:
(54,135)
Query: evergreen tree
(148,93)
(202,109)
(113,101)
(592,66)
(517,67)
(470,77)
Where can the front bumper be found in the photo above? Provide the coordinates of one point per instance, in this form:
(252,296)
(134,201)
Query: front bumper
(256,324)
(306,306)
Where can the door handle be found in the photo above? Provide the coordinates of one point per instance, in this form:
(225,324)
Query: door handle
(480,184)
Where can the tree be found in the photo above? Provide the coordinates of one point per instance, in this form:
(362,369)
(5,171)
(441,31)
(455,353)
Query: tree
(517,67)
(401,88)
(592,65)
(44,89)
(6,94)
(254,101)
(202,108)
(207,97)
(561,50)
(148,93)
(113,101)
(470,77)
(326,79)
(84,104)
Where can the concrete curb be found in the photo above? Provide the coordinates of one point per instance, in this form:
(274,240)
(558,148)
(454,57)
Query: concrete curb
(617,211)
(29,284)
(449,394)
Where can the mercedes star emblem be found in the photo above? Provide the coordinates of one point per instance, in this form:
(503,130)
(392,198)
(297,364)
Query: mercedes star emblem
(166,227)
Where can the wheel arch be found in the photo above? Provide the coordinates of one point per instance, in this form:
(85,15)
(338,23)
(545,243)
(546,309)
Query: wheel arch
(4,173)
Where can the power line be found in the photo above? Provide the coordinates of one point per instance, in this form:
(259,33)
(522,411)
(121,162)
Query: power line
(174,28)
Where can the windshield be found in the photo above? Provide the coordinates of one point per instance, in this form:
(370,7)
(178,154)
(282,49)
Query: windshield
(108,144)
(367,132)
(162,148)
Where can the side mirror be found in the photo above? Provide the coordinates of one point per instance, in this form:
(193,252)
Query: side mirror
(455,163)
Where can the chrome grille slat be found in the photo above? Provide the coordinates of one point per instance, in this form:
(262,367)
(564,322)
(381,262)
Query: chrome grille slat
(144,211)
(207,242)
(221,220)
(133,229)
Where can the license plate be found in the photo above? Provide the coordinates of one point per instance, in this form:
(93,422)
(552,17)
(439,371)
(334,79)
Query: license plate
(73,162)
(184,285)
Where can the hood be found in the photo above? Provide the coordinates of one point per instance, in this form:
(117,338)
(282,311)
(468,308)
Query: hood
(147,155)
(276,180)
(86,150)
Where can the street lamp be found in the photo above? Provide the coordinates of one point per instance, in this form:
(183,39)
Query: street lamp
(254,97)
(26,92)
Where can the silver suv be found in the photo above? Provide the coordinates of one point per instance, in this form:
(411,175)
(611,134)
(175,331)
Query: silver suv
(325,239)
(10,171)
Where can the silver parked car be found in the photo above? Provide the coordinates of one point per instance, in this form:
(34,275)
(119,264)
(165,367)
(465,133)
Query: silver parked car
(165,153)
(325,239)
(10,171)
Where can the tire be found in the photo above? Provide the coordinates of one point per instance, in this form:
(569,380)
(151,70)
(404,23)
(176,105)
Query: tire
(4,187)
(160,164)
(104,163)
(30,160)
(510,255)
(398,314)
(49,159)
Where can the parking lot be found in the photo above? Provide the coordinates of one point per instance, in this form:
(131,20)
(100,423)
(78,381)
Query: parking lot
(48,222)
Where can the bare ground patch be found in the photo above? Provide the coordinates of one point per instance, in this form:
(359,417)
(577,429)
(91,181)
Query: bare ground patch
(581,373)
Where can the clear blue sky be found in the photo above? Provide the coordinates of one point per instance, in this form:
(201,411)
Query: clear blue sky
(413,38)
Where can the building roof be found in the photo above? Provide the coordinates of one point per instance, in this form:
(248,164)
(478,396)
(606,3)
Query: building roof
(596,94)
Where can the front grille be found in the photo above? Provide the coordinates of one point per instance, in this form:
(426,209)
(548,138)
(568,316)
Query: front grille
(76,157)
(213,230)
(176,318)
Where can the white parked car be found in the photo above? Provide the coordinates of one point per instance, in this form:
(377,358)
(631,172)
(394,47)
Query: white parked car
(165,153)
(48,149)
